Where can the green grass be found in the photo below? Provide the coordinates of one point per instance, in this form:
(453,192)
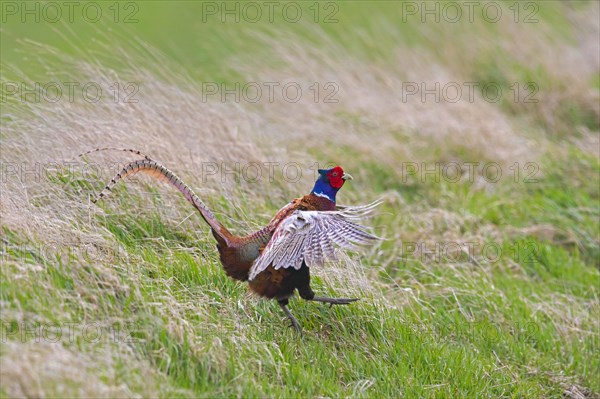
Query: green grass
(516,317)
(472,330)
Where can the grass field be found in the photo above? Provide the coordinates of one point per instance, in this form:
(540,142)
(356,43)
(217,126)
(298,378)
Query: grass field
(487,283)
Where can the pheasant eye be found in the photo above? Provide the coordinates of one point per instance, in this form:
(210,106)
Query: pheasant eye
(334,174)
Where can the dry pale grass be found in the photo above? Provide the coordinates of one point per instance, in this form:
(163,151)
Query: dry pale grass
(371,101)
(43,369)
(374,92)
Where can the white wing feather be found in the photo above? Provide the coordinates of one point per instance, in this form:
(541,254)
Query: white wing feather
(310,236)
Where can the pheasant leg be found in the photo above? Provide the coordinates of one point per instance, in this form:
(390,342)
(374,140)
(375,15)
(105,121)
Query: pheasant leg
(295,324)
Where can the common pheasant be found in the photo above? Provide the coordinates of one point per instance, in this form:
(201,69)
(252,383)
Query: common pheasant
(276,259)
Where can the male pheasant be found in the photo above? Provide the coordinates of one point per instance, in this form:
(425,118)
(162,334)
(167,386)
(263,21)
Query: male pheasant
(276,260)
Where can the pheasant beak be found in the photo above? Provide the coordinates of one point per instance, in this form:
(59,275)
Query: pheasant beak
(346,176)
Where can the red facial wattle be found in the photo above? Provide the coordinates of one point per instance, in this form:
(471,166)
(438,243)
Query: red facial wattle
(335,177)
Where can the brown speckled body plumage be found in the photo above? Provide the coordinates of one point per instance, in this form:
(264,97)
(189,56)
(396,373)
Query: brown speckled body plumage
(280,284)
(237,254)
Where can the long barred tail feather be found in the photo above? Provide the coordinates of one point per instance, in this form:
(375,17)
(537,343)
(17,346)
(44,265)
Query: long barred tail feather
(113,149)
(160,172)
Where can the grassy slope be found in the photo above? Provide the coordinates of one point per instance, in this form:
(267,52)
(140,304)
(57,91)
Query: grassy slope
(524,325)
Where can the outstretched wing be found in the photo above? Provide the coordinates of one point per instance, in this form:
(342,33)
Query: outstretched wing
(310,236)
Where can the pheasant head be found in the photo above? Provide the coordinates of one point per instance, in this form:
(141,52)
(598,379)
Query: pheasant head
(329,182)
